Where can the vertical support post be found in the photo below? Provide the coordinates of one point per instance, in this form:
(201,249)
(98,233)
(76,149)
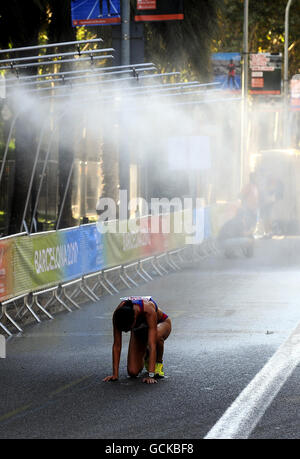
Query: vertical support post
(65,196)
(41,183)
(37,154)
(124,155)
(125,31)
(286,72)
(13,123)
(246,46)
(244,109)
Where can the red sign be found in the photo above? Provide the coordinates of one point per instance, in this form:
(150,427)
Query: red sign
(257,83)
(92,22)
(162,10)
(146,4)
(5,269)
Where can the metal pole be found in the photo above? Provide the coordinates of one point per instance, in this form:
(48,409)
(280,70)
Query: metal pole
(61,76)
(125,32)
(244,114)
(60,61)
(86,70)
(51,45)
(90,52)
(41,183)
(65,196)
(286,48)
(124,150)
(13,123)
(246,47)
(286,71)
(33,173)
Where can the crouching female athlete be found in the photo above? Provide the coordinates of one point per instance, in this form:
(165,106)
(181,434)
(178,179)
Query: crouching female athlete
(149,328)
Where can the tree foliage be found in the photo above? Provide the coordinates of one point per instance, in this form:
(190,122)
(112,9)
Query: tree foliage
(266,28)
(209,26)
(185,45)
(20,22)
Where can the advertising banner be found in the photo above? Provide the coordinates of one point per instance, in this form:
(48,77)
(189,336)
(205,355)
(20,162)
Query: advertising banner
(227,70)
(23,266)
(167,233)
(39,262)
(6,267)
(144,237)
(92,249)
(265,74)
(42,260)
(95,12)
(127,246)
(158,10)
(295,92)
(189,152)
(157,239)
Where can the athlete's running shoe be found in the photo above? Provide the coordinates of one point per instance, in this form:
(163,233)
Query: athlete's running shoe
(159,373)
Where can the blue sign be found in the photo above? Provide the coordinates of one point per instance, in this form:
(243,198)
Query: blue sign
(92,249)
(95,12)
(71,249)
(82,251)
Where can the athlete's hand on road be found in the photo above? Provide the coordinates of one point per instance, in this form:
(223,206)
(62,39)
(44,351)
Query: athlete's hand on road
(149,380)
(110,378)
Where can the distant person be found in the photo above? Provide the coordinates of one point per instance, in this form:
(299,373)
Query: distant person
(231,75)
(236,234)
(250,199)
(149,328)
(101,8)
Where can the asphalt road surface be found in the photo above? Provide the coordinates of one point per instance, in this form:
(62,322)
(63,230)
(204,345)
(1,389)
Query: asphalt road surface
(229,317)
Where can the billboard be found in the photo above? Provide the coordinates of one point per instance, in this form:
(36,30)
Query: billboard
(95,12)
(158,10)
(6,268)
(227,70)
(189,153)
(265,74)
(41,260)
(295,92)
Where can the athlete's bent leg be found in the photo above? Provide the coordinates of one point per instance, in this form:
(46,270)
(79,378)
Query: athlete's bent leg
(136,352)
(163,331)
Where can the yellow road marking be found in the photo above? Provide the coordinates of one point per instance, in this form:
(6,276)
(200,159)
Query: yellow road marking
(67,386)
(30,405)
(14,412)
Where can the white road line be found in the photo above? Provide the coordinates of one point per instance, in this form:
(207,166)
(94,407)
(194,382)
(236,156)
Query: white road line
(245,412)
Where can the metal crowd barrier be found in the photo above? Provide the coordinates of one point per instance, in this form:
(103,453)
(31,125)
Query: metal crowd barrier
(110,280)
